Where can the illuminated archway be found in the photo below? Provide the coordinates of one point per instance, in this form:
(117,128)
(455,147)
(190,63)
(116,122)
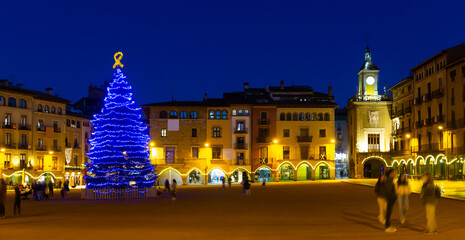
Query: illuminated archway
(216,176)
(373,167)
(322,171)
(263,173)
(195,177)
(304,172)
(169,174)
(286,172)
(238,175)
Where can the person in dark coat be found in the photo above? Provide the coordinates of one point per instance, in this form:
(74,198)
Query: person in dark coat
(17,205)
(391,197)
(167,185)
(381,198)
(2,197)
(50,188)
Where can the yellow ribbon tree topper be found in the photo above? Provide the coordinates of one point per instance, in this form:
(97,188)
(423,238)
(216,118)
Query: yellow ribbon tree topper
(118,56)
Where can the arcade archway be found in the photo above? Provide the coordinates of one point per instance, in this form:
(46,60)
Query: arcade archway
(373,167)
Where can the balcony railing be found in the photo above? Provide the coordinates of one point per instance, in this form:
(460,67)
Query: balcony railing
(76,145)
(41,148)
(10,145)
(57,130)
(25,127)
(417,101)
(240,146)
(264,121)
(408,110)
(438,93)
(439,119)
(56,148)
(370,98)
(261,139)
(240,131)
(428,122)
(23,146)
(8,125)
(304,138)
(418,124)
(41,129)
(426,97)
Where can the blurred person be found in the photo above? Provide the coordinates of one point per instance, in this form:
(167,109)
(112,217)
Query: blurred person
(391,198)
(429,196)
(3,188)
(17,204)
(381,198)
(403,191)
(229,182)
(223,182)
(50,188)
(173,190)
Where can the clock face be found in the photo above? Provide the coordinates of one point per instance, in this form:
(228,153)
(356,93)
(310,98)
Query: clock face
(370,80)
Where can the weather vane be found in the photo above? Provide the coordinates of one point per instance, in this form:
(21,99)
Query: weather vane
(118,56)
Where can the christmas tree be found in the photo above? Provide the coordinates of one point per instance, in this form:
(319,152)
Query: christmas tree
(119,154)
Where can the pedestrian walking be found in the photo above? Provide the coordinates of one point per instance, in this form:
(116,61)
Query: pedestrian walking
(50,188)
(17,204)
(429,196)
(390,198)
(246,186)
(46,192)
(2,197)
(381,198)
(167,186)
(264,182)
(403,191)
(34,190)
(173,190)
(223,182)
(229,182)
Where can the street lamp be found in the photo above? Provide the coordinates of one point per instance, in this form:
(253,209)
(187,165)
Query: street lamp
(275,141)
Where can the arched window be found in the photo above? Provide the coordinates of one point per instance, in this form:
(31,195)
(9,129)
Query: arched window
(295,117)
(246,113)
(320,116)
(234,112)
(53,109)
(59,111)
(212,114)
(163,114)
(39,108)
(193,115)
(68,123)
(301,117)
(282,116)
(288,116)
(173,114)
(46,109)
(307,117)
(326,116)
(240,113)
(22,103)
(314,117)
(11,102)
(2,101)
(225,114)
(218,114)
(183,114)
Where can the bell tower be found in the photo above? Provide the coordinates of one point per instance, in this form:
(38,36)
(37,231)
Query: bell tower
(368,77)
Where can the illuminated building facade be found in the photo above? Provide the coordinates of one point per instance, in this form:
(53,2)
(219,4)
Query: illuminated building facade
(40,139)
(369,124)
(273,134)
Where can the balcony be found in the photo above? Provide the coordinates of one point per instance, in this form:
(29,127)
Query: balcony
(262,139)
(240,162)
(400,113)
(41,148)
(23,146)
(418,124)
(304,138)
(76,145)
(264,121)
(370,98)
(9,126)
(56,149)
(438,93)
(426,97)
(25,127)
(439,119)
(408,110)
(417,101)
(41,129)
(428,122)
(240,146)
(10,145)
(57,129)
(240,131)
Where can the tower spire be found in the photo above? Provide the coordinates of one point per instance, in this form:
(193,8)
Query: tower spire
(368,55)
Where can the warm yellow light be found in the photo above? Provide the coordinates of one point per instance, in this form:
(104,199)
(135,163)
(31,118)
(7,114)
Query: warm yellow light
(152,144)
(206,144)
(440,127)
(275,141)
(3,149)
(332,141)
(50,152)
(408,135)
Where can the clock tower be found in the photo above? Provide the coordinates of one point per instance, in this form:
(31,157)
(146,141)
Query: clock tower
(368,77)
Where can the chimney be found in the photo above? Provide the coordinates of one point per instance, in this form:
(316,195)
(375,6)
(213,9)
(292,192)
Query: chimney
(49,91)
(205,97)
(330,90)
(282,84)
(246,86)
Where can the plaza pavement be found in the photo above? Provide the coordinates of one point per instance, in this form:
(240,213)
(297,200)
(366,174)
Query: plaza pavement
(303,210)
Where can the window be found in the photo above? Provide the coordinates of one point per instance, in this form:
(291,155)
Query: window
(304,132)
(246,113)
(22,160)
(304,152)
(194,132)
(2,101)
(52,109)
(288,117)
(46,110)
(75,160)
(55,144)
(163,132)
(452,97)
(68,123)
(263,132)
(195,152)
(326,116)
(373,143)
(234,112)
(322,133)
(282,116)
(23,121)
(22,103)
(40,125)
(211,115)
(173,114)
(163,114)
(216,152)
(7,120)
(7,139)
(263,155)
(11,102)
(73,123)
(225,114)
(301,117)
(183,115)
(286,152)
(6,164)
(286,133)
(23,140)
(240,127)
(218,114)
(78,124)
(193,115)
(240,112)
(314,117)
(322,154)
(320,116)
(240,158)
(295,117)
(59,111)
(307,117)
(169,155)
(452,75)
(216,132)
(85,124)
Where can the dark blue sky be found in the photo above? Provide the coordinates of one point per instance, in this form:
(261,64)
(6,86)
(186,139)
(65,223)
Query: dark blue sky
(183,49)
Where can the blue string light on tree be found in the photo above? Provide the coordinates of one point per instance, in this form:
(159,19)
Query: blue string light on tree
(119,153)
